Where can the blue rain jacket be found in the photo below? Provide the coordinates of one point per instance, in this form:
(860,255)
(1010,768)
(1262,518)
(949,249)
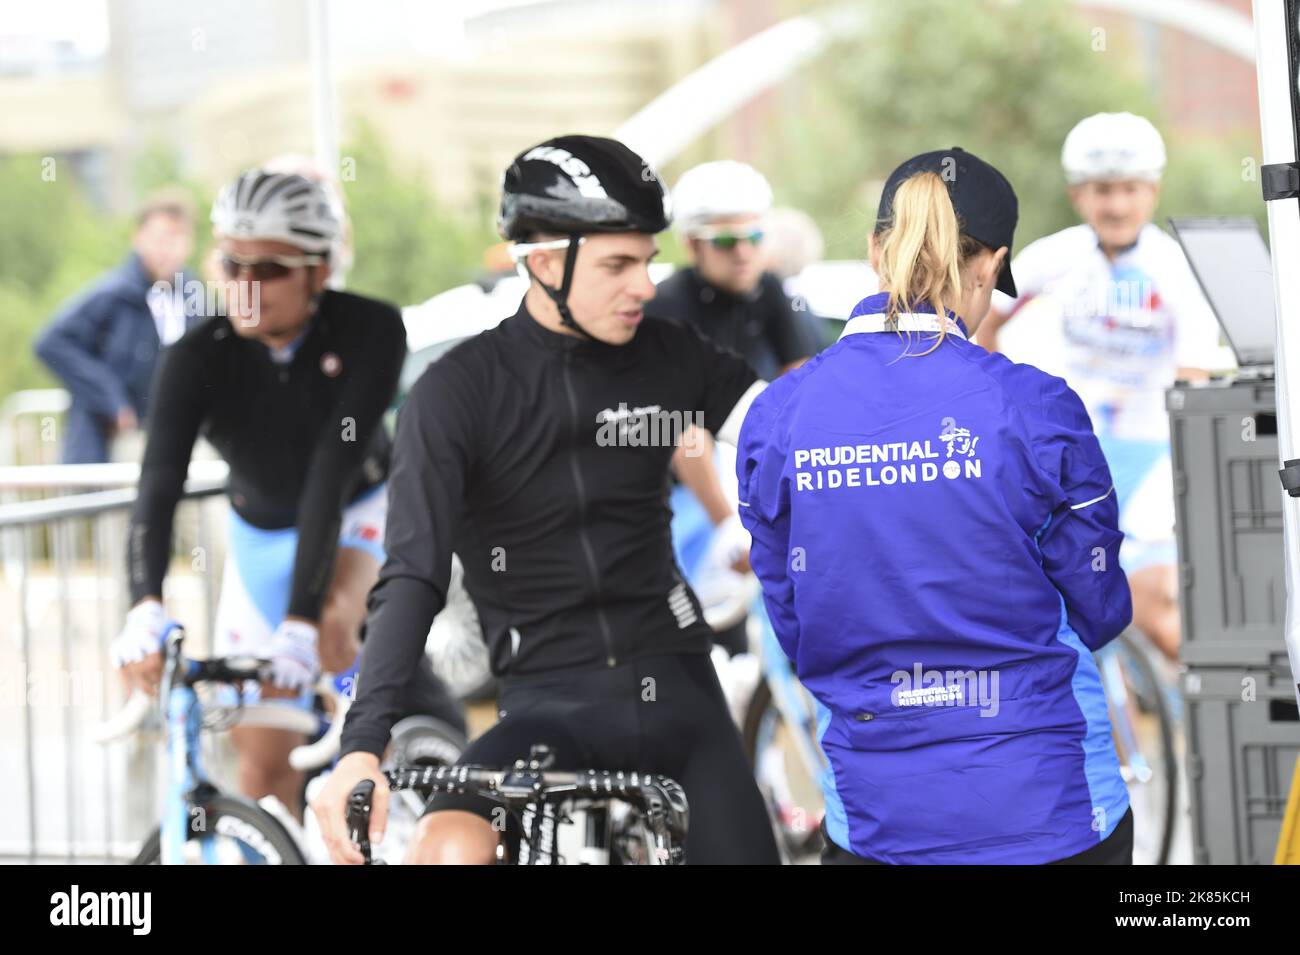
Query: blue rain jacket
(936,535)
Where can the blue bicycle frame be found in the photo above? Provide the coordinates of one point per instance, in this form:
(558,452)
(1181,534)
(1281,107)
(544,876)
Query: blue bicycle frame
(188,786)
(184,723)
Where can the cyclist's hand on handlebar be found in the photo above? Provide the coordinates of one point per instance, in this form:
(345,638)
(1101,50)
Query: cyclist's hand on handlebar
(294,660)
(137,649)
(144,674)
(331,806)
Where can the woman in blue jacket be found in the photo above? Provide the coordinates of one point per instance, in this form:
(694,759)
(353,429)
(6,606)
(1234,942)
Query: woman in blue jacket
(935,529)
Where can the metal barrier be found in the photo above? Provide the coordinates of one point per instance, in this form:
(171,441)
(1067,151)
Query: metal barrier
(63,596)
(23,440)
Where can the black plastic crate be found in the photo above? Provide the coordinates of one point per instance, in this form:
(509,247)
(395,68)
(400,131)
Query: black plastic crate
(1243,741)
(1228,507)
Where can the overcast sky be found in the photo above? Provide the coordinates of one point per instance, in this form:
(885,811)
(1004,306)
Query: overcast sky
(357,27)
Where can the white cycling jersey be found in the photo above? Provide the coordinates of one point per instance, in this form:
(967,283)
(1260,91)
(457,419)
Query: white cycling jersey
(1115,331)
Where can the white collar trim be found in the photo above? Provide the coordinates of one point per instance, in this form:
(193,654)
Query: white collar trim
(907,322)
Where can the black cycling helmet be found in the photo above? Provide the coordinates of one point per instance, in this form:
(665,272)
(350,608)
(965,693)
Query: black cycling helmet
(580,184)
(576,185)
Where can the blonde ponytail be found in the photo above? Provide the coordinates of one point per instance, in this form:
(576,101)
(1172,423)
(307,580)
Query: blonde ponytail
(922,250)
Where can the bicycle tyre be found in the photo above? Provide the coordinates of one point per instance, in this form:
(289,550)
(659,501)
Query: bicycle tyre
(426,740)
(792,846)
(759,701)
(1133,655)
(236,815)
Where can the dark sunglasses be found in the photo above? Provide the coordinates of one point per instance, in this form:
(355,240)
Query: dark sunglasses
(264,268)
(727,240)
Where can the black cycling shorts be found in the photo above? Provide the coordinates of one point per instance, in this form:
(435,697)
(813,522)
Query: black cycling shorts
(1115,849)
(660,714)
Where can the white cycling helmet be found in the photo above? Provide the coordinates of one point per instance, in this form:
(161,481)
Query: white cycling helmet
(713,190)
(1113,146)
(284,207)
(341,254)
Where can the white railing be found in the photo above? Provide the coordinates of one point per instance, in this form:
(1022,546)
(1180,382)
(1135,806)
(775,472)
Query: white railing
(62,598)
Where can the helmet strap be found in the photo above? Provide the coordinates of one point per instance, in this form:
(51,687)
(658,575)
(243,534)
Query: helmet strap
(560,296)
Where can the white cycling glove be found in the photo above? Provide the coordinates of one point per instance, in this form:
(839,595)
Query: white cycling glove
(142,634)
(295,664)
(455,644)
(730,540)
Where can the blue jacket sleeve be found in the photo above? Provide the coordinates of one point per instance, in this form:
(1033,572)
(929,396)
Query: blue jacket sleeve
(1081,539)
(68,347)
(765,512)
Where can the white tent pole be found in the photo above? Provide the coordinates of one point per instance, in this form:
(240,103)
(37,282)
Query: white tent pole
(1278,135)
(325,121)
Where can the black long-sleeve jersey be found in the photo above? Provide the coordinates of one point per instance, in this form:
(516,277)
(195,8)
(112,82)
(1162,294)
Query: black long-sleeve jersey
(542,460)
(763,326)
(302,438)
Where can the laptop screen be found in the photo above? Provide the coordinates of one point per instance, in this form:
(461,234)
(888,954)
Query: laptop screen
(1232,265)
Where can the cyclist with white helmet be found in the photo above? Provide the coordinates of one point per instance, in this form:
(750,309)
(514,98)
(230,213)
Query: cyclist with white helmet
(1112,306)
(289,388)
(341,253)
(721,209)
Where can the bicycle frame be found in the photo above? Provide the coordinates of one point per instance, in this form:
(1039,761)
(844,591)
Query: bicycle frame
(184,724)
(788,696)
(188,790)
(1112,678)
(185,776)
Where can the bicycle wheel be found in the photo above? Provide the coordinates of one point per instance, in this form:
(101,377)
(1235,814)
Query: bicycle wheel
(790,790)
(235,832)
(425,741)
(1144,741)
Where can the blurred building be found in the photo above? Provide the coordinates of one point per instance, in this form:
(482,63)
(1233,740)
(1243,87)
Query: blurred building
(228,84)
(1203,90)
(452,97)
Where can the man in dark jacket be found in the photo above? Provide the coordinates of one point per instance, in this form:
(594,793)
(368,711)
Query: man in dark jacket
(103,345)
(721,209)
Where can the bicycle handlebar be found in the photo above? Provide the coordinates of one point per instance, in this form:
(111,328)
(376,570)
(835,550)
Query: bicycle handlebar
(232,670)
(263,715)
(523,785)
(662,799)
(320,753)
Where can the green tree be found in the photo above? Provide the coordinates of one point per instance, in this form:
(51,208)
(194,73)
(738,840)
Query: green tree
(407,248)
(1006,79)
(53,243)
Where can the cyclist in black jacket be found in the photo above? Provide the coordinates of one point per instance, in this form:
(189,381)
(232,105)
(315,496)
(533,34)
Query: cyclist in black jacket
(539,453)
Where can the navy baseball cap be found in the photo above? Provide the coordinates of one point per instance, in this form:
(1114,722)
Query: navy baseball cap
(985,203)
